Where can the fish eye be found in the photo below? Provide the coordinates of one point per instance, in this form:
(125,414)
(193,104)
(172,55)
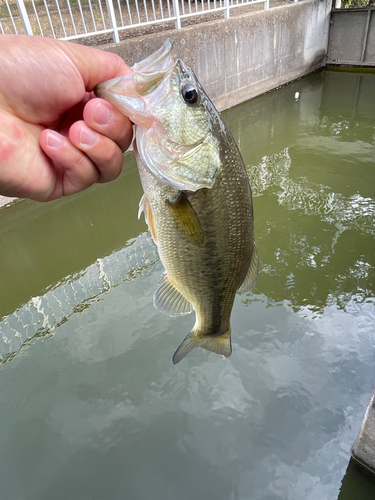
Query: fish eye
(189,94)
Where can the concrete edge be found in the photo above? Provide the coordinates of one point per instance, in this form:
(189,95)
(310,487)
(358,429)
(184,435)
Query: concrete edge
(6,202)
(363,450)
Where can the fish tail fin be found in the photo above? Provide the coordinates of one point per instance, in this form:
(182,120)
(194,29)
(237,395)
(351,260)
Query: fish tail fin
(220,344)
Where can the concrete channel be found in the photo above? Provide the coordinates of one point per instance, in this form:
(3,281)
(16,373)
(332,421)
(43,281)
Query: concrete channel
(241,57)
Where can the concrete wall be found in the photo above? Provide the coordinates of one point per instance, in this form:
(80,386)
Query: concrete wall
(364,447)
(244,56)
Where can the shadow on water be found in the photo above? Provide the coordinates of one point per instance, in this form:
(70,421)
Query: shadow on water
(92,406)
(357,483)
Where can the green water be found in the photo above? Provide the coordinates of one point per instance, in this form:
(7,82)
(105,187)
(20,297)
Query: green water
(92,407)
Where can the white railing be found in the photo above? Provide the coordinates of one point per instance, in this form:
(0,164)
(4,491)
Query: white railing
(72,19)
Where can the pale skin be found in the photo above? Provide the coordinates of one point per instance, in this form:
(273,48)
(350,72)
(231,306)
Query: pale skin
(56,137)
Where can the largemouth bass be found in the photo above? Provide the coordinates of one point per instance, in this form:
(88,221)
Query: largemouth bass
(197,197)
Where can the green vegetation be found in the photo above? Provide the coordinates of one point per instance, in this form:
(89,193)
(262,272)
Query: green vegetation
(347,4)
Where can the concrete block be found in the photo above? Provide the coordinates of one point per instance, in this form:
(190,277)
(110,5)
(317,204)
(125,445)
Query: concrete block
(364,447)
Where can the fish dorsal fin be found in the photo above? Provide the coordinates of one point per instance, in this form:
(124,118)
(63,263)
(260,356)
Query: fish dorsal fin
(186,219)
(220,344)
(168,300)
(144,207)
(252,273)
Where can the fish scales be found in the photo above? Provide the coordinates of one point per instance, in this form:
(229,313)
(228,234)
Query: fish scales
(197,197)
(217,266)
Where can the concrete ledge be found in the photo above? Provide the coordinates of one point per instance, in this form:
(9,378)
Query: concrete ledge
(364,447)
(4,200)
(241,57)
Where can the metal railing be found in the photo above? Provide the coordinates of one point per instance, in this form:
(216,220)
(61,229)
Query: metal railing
(73,19)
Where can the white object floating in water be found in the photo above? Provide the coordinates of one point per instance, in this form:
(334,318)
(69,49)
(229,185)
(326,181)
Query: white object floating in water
(296,96)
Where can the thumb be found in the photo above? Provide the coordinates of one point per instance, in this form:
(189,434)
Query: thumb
(95,65)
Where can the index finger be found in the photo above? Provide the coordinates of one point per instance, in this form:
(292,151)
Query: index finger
(102,117)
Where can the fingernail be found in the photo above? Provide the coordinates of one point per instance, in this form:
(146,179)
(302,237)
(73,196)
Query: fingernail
(102,114)
(53,140)
(88,137)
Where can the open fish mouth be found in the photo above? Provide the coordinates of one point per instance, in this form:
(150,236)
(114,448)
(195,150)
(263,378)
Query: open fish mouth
(147,75)
(160,60)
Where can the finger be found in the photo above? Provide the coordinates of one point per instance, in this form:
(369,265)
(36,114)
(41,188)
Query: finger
(73,115)
(101,116)
(95,65)
(104,153)
(75,171)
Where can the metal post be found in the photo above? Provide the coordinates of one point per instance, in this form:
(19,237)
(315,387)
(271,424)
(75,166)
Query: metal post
(112,20)
(227,10)
(267,4)
(365,36)
(176,10)
(24,17)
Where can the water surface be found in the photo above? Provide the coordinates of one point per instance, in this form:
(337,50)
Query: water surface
(91,405)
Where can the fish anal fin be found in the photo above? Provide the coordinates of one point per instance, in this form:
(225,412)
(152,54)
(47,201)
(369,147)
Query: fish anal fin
(214,343)
(252,273)
(144,207)
(168,300)
(186,219)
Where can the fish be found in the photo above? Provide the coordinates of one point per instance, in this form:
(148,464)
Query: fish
(197,199)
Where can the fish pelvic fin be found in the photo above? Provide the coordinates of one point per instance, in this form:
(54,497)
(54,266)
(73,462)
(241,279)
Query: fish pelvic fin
(214,343)
(252,273)
(168,300)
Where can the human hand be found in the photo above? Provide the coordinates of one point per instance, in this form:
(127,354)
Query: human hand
(46,149)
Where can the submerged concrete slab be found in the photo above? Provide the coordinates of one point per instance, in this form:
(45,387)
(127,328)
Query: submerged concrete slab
(364,447)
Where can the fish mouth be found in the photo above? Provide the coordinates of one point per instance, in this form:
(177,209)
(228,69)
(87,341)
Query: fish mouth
(146,75)
(162,59)
(102,89)
(130,93)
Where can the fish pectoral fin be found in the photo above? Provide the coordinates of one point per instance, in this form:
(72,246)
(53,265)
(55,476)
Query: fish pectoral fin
(252,273)
(186,219)
(219,344)
(168,300)
(144,207)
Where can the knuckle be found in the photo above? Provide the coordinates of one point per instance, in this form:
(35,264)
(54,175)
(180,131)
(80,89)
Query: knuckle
(7,150)
(110,164)
(111,154)
(80,159)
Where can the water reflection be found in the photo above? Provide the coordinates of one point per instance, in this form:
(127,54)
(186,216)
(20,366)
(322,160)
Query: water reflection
(315,191)
(41,315)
